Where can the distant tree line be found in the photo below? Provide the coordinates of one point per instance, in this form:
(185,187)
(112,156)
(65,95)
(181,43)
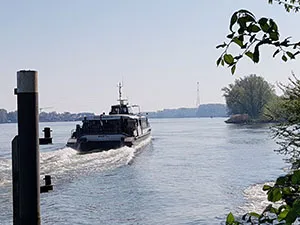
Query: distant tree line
(8,117)
(205,110)
(12,117)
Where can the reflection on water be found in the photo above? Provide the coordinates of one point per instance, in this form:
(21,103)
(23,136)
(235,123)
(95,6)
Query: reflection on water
(194,171)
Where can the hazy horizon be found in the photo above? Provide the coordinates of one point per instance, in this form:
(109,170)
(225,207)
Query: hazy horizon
(159,49)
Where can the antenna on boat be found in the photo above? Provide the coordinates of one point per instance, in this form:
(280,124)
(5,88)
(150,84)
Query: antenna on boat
(120,85)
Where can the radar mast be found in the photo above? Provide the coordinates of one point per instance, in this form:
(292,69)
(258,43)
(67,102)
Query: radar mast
(121,100)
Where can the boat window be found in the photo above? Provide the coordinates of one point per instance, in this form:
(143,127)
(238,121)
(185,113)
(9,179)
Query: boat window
(91,127)
(115,109)
(111,126)
(124,110)
(145,123)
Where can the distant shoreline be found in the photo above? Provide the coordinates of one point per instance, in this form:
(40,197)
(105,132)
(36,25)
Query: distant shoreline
(203,111)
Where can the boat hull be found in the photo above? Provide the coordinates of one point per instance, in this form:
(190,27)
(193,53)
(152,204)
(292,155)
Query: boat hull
(96,143)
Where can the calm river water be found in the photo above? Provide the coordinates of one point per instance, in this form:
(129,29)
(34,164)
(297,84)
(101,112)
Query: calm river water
(193,171)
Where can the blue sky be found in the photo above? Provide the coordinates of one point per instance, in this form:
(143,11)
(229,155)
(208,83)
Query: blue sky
(160,49)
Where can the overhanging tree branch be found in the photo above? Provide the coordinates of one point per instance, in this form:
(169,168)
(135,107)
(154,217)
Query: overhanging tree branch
(289,5)
(248,34)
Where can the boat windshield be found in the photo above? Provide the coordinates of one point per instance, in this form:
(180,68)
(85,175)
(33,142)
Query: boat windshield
(107,126)
(120,109)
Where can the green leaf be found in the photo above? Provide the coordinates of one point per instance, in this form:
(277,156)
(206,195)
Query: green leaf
(273,210)
(274,195)
(233,20)
(233,69)
(256,54)
(291,55)
(230,36)
(228,58)
(249,18)
(265,27)
(281,208)
(230,219)
(282,215)
(242,22)
(262,21)
(238,41)
(296,205)
(241,30)
(286,191)
(296,177)
(249,54)
(266,187)
(254,28)
(284,58)
(291,216)
(274,36)
(281,180)
(273,25)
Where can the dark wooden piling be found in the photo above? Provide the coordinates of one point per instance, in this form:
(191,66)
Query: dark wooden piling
(48,186)
(15,175)
(26,175)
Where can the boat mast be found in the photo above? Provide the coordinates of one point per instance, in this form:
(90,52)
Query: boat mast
(120,94)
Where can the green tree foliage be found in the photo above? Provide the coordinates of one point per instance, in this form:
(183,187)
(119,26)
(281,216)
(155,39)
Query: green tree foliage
(248,95)
(274,111)
(287,134)
(249,34)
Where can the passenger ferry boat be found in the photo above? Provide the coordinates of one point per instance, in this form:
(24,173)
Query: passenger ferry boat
(120,128)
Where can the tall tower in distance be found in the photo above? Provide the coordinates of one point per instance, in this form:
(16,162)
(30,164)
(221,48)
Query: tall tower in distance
(198,96)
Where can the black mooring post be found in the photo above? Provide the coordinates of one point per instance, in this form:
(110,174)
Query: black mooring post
(47,132)
(28,178)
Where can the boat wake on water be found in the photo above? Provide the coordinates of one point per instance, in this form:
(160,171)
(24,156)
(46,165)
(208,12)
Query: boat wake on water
(67,162)
(256,198)
(5,171)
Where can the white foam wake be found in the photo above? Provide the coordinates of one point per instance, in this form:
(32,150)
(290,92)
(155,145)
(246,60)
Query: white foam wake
(64,161)
(256,198)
